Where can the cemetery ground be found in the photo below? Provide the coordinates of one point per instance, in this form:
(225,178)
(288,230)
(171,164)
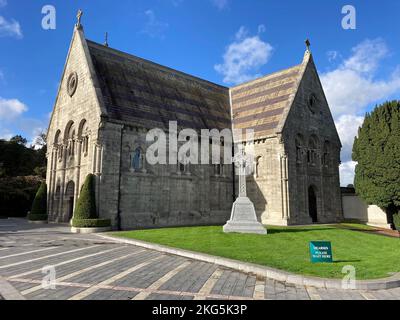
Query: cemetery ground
(287,248)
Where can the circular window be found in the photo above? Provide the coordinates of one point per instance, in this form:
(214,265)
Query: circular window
(312,103)
(72,83)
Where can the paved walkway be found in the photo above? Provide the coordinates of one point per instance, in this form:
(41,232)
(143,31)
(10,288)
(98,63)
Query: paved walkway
(89,268)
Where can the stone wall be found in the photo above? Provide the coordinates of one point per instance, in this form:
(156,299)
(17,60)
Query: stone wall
(158,195)
(354,208)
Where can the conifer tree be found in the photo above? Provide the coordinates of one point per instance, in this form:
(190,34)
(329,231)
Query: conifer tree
(377,152)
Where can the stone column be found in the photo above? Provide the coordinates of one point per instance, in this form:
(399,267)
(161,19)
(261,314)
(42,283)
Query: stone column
(63,150)
(78,170)
(284,186)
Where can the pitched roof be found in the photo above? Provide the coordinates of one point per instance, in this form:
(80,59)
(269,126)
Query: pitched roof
(139,91)
(262,104)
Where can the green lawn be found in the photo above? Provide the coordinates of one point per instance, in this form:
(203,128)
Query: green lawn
(287,248)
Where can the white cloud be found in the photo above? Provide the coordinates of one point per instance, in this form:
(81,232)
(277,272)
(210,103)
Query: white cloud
(220,4)
(244,57)
(13,121)
(154,27)
(10,28)
(3,3)
(347,127)
(10,109)
(351,88)
(347,173)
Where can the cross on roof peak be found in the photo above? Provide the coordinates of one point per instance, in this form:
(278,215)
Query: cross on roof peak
(79,17)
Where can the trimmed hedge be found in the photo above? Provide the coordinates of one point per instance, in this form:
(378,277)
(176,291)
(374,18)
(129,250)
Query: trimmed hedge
(396,221)
(86,205)
(91,223)
(39,206)
(37,217)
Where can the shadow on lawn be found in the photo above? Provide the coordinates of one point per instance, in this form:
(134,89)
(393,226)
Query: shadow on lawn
(296,229)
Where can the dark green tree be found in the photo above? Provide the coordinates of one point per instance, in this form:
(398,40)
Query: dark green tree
(86,205)
(377,151)
(39,206)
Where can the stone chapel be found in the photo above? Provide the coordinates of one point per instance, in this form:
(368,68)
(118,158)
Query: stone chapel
(107,102)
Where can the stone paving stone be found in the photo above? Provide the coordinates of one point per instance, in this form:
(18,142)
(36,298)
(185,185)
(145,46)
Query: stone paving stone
(114,268)
(35,255)
(249,286)
(191,279)
(29,266)
(84,263)
(60,293)
(156,296)
(21,286)
(387,294)
(301,293)
(144,277)
(108,294)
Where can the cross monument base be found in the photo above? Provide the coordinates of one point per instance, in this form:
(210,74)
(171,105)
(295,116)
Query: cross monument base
(243,218)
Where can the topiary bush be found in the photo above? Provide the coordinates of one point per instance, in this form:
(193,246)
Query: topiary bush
(396,221)
(39,206)
(91,223)
(85,215)
(86,205)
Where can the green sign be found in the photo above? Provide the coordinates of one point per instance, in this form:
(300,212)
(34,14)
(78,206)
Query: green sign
(321,251)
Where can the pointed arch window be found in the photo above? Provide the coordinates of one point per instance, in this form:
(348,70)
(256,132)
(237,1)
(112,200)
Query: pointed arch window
(137,160)
(299,149)
(258,167)
(326,154)
(312,152)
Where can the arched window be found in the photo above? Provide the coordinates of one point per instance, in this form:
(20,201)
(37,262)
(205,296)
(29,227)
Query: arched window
(326,155)
(299,148)
(312,152)
(69,138)
(258,167)
(137,159)
(83,135)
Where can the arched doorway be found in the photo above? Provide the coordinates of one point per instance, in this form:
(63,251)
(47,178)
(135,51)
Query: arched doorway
(312,204)
(69,200)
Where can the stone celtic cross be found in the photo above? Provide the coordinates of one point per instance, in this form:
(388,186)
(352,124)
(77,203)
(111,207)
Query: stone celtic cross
(243,162)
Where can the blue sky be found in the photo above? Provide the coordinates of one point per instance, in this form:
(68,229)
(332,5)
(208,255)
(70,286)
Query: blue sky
(224,41)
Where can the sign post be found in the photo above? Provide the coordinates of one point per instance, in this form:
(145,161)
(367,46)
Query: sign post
(321,251)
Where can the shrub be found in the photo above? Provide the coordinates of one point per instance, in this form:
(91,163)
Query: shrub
(39,206)
(91,223)
(37,217)
(396,221)
(86,205)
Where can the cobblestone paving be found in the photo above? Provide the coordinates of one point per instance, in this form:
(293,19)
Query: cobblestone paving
(90,268)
